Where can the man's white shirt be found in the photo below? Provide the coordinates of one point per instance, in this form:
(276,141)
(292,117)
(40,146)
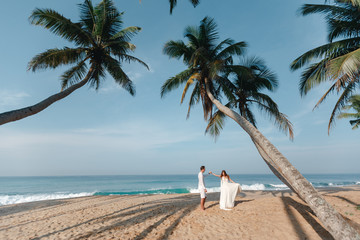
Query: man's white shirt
(201,180)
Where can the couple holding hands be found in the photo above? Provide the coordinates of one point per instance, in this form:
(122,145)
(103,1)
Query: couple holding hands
(228,190)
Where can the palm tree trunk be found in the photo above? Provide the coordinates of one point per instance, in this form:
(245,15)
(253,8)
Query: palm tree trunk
(331,219)
(18,114)
(273,168)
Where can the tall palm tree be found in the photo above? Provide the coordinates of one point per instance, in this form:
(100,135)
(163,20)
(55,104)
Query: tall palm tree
(243,85)
(338,61)
(355,105)
(204,69)
(101,46)
(203,58)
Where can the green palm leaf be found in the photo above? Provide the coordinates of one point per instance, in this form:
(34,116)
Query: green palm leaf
(339,61)
(194,98)
(60,26)
(215,124)
(175,82)
(174,2)
(120,77)
(73,75)
(343,99)
(55,57)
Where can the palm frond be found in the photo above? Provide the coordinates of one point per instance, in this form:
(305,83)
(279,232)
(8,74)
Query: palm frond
(344,97)
(87,15)
(174,2)
(340,28)
(120,77)
(175,82)
(347,64)
(329,50)
(60,26)
(227,87)
(194,98)
(129,59)
(53,58)
(208,32)
(248,115)
(237,49)
(189,82)
(108,20)
(177,49)
(215,124)
(73,75)
(126,34)
(328,10)
(266,104)
(331,89)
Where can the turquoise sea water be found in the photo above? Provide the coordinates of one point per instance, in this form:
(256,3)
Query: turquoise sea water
(27,189)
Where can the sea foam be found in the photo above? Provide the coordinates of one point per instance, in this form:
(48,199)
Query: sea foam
(12,199)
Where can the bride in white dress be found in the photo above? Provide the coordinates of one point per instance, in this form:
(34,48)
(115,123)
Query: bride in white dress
(228,191)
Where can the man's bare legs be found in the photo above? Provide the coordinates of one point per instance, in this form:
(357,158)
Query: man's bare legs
(202,203)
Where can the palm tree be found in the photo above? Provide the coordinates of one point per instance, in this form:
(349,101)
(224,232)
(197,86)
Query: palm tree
(202,46)
(355,104)
(338,61)
(244,91)
(205,61)
(101,46)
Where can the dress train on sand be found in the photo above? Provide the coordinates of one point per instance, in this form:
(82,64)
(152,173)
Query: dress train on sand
(228,192)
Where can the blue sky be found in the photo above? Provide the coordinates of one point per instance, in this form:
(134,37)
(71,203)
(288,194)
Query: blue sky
(110,132)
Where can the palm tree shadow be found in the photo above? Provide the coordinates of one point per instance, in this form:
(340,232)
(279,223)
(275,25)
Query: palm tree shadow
(351,222)
(176,208)
(243,201)
(235,204)
(308,215)
(24,207)
(346,200)
(212,205)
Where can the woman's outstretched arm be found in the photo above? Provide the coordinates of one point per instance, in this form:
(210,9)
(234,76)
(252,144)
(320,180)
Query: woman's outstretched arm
(231,180)
(214,174)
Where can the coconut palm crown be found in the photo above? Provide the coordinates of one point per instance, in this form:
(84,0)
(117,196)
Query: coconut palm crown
(338,61)
(204,58)
(101,45)
(243,85)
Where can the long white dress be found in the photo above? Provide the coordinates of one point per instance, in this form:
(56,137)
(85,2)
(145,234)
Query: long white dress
(228,192)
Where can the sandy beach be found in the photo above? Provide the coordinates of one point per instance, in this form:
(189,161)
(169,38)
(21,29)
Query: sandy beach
(257,215)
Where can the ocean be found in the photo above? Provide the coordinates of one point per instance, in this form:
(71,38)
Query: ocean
(29,189)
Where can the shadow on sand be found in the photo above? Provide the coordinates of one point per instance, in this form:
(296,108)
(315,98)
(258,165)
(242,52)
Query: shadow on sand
(139,213)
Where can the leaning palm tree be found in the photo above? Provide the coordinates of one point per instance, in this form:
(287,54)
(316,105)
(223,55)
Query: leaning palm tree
(101,46)
(243,85)
(338,61)
(355,105)
(202,45)
(205,61)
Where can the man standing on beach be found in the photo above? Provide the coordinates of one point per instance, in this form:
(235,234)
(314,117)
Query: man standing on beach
(202,187)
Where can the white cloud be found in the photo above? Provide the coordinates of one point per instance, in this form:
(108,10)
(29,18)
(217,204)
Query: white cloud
(139,136)
(10,98)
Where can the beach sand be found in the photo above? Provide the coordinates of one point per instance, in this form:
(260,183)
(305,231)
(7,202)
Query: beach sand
(256,215)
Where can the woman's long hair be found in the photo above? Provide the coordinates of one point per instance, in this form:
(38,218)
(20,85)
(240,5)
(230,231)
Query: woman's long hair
(224,174)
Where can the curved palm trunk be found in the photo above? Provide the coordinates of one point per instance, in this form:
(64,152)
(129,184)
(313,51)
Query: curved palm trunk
(273,167)
(330,218)
(18,114)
